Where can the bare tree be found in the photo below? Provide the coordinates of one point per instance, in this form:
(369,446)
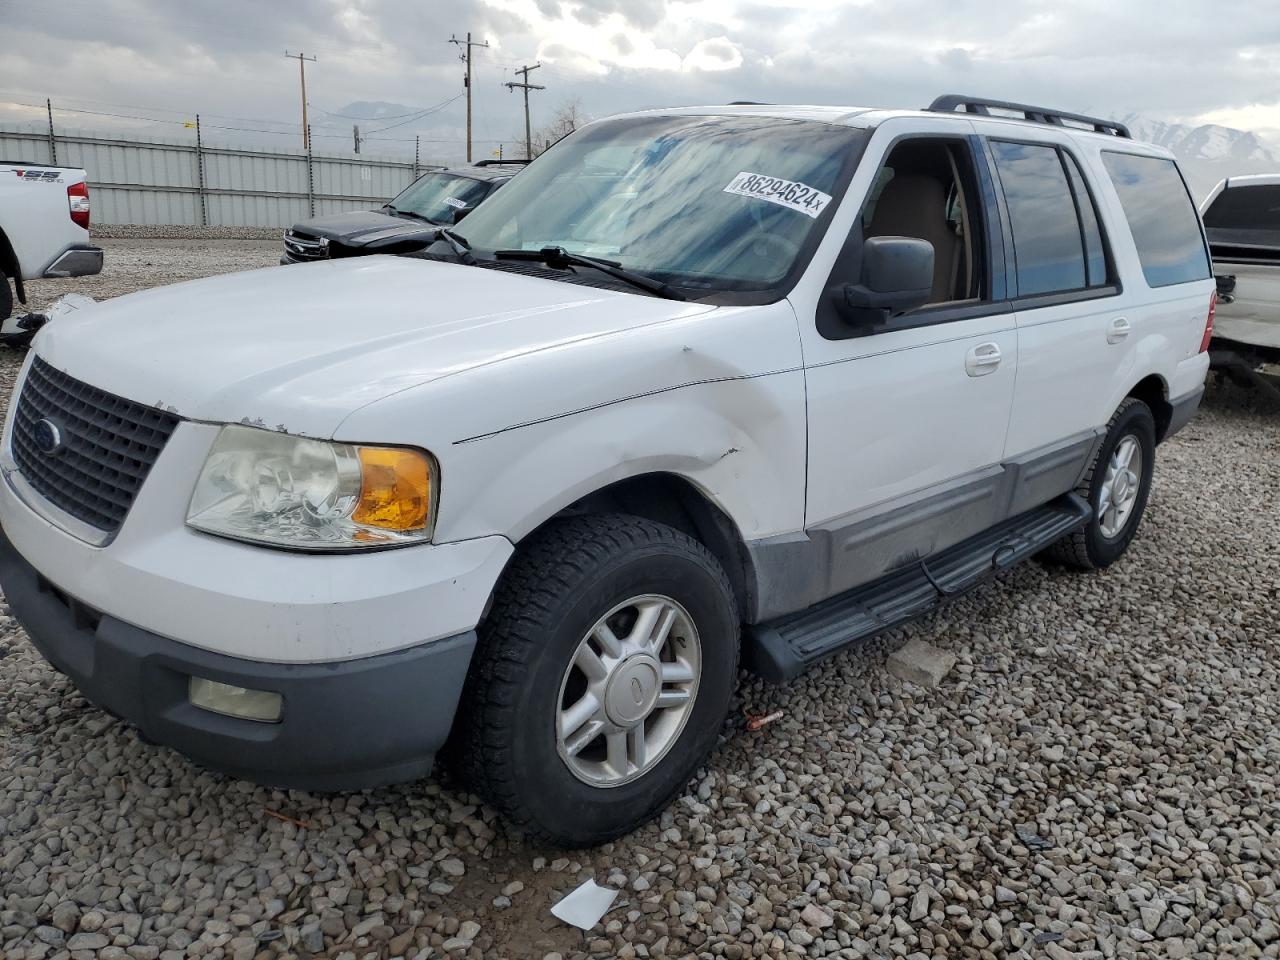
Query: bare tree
(567,118)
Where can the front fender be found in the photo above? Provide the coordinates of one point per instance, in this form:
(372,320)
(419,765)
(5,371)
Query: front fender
(716,397)
(741,442)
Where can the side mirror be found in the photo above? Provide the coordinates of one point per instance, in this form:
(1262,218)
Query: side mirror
(897,277)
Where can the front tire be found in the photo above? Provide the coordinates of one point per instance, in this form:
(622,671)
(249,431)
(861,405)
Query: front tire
(6,298)
(1117,486)
(601,680)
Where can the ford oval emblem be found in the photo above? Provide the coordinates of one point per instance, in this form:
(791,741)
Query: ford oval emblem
(48,437)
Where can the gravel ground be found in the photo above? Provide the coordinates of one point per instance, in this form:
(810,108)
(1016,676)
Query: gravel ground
(1097,777)
(132,265)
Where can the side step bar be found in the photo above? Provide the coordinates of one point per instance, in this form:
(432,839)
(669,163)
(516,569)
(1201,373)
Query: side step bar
(781,649)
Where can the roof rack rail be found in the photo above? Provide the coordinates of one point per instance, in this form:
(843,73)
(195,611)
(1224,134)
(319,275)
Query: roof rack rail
(748,103)
(499,163)
(980,105)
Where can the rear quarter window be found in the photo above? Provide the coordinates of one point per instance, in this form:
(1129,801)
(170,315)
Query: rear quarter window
(1161,218)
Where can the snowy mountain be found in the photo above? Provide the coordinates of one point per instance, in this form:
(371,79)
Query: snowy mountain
(1209,152)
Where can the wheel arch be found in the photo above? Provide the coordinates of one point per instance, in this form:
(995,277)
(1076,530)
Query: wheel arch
(677,502)
(1154,392)
(10,267)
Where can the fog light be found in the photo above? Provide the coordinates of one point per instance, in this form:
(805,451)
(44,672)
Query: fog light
(235,701)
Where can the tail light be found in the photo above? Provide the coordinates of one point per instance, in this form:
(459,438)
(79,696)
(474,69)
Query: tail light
(1208,322)
(78,203)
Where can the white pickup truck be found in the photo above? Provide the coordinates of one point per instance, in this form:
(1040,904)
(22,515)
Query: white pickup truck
(44,232)
(1242,221)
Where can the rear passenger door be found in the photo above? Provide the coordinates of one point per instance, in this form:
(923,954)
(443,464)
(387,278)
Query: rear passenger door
(1074,337)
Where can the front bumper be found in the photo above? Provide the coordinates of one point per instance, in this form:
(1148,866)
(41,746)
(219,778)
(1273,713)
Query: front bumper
(346,725)
(80,260)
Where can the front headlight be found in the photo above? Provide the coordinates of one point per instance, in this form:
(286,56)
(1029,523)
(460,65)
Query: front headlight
(288,491)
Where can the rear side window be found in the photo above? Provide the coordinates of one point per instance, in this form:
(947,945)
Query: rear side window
(1090,231)
(1047,239)
(1161,217)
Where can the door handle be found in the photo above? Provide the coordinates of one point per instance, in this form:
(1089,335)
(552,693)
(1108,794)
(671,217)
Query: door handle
(982,359)
(1118,330)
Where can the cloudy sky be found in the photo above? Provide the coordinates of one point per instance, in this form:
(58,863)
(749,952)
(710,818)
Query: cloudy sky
(225,58)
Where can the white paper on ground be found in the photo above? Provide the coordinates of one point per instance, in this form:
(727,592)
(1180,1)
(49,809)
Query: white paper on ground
(584,907)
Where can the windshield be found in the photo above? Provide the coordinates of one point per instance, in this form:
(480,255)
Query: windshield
(437,196)
(709,203)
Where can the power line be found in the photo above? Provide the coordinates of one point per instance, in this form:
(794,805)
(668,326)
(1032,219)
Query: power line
(420,114)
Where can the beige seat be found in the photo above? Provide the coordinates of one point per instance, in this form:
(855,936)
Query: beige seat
(916,206)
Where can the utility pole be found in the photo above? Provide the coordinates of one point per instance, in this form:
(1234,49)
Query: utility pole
(468,44)
(302,75)
(355,133)
(526,87)
(53,145)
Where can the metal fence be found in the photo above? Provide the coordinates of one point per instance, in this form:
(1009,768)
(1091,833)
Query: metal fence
(157,181)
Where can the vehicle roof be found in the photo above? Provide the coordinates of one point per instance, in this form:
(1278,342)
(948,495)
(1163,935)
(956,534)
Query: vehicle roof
(868,117)
(1252,180)
(502,172)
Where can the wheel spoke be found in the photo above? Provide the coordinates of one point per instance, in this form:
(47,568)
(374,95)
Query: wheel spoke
(585,735)
(616,751)
(676,672)
(663,630)
(642,632)
(578,714)
(671,698)
(589,662)
(607,639)
(636,746)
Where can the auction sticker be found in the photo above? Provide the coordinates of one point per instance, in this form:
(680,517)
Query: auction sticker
(785,193)
(455,202)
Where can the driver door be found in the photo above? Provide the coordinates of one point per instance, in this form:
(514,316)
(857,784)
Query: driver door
(907,420)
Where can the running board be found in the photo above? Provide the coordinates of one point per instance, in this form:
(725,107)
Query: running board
(781,649)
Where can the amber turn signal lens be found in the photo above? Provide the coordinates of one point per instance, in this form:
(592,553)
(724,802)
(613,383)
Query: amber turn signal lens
(395,491)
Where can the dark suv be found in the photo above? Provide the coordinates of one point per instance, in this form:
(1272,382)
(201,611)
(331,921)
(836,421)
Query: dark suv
(437,198)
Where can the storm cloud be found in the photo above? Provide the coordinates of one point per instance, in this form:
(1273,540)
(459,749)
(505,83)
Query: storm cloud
(226,57)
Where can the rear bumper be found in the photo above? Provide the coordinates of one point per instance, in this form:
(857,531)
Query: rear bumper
(345,725)
(1184,408)
(80,260)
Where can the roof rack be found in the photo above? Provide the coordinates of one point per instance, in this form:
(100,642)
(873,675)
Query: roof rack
(498,163)
(952,102)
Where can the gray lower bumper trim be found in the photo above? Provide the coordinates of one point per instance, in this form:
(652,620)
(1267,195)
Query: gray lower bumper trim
(84,261)
(1184,408)
(346,725)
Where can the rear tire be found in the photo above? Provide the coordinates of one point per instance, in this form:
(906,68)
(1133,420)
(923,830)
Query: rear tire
(607,631)
(1116,486)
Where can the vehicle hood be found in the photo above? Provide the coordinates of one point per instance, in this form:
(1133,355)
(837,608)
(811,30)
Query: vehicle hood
(346,227)
(300,348)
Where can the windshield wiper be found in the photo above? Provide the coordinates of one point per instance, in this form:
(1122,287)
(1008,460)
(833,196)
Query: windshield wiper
(560,258)
(461,249)
(409,213)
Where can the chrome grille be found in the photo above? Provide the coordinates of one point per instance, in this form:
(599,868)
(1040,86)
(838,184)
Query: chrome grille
(300,246)
(106,445)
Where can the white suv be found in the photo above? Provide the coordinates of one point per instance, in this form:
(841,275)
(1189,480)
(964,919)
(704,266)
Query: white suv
(700,385)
